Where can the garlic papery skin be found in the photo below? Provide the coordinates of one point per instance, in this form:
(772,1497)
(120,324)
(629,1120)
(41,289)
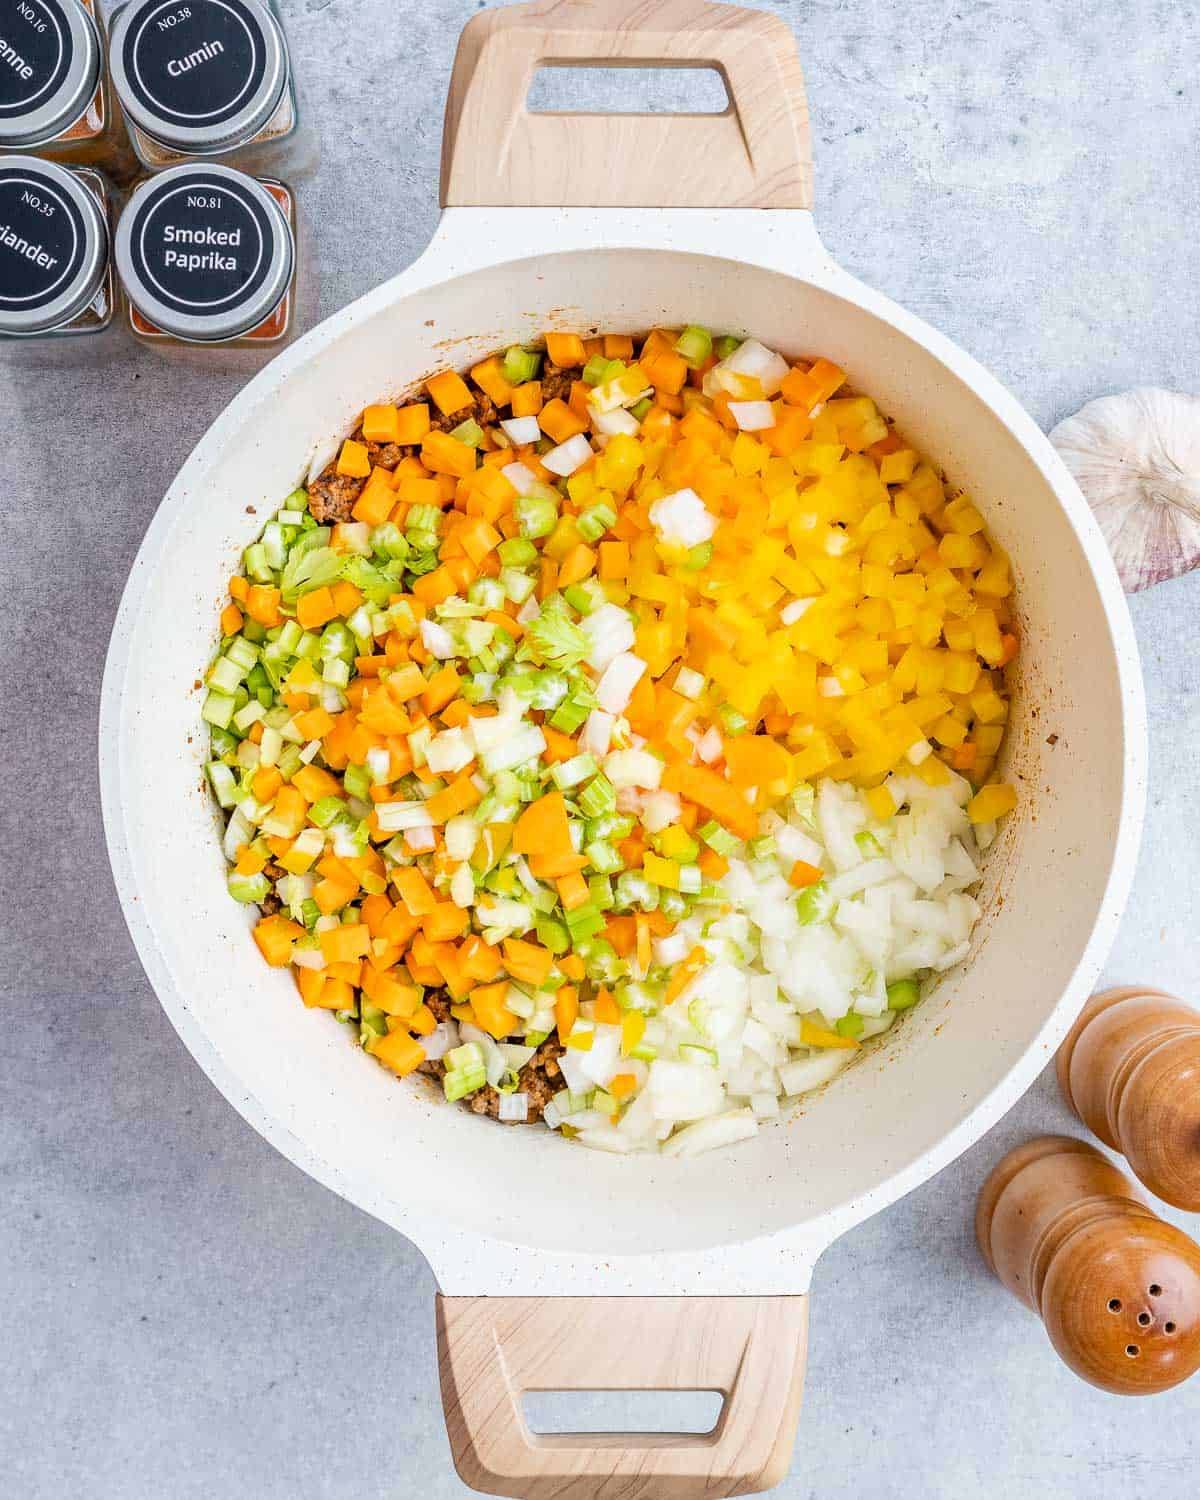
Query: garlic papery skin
(1136,457)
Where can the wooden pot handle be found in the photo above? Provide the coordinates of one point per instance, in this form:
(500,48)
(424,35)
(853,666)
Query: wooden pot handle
(755,154)
(750,1349)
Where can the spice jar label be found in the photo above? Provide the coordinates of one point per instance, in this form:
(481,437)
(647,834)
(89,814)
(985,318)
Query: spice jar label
(203,245)
(43,239)
(196,65)
(36,49)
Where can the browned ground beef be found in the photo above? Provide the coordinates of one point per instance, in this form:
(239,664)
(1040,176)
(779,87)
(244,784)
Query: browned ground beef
(332,496)
(541,1077)
(556,383)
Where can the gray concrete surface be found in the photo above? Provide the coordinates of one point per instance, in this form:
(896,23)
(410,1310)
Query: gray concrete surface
(184,1315)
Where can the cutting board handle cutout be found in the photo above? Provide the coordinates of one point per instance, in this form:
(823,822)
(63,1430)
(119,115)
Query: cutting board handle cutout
(496,152)
(749,1350)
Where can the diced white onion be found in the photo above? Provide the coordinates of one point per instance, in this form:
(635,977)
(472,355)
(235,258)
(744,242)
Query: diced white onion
(633,768)
(437,640)
(760,363)
(597,732)
(792,612)
(522,479)
(618,681)
(683,518)
(609,423)
(752,416)
(513,1108)
(610,631)
(568,456)
(523,431)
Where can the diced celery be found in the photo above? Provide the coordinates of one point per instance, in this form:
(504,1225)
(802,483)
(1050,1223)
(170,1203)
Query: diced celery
(726,345)
(225,675)
(605,859)
(517,585)
(734,722)
(595,369)
(695,344)
(224,783)
(593,522)
(520,365)
(719,838)
(903,994)
(248,889)
(584,922)
(536,515)
(599,796)
(357,781)
(468,432)
(242,652)
(552,934)
(516,552)
(326,811)
(815,904)
(849,1025)
(219,709)
(257,564)
(569,773)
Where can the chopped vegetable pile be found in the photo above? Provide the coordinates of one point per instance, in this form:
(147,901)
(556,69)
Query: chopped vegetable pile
(612,735)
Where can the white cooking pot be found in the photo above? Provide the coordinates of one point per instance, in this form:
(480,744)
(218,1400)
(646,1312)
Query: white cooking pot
(561,1268)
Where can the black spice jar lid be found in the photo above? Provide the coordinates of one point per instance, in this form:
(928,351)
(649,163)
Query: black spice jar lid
(53,245)
(198,76)
(49,69)
(204,252)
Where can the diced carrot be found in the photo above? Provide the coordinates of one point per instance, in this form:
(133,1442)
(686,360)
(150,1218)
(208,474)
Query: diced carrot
(543,827)
(232,620)
(460,795)
(559,746)
(445,921)
(527,961)
(448,391)
(415,891)
(310,983)
(614,560)
(727,805)
(354,462)
(573,967)
(440,689)
(314,723)
(576,566)
(565,349)
(267,782)
(713,866)
(380,424)
(527,399)
(375,500)
(422,1021)
(489,377)
(262,604)
(622,1085)
(276,936)
(412,423)
(566,1010)
(572,891)
(618,346)
(492,1014)
(239,588)
(803,874)
(605,1009)
(342,944)
(398,1051)
(559,422)
(446,455)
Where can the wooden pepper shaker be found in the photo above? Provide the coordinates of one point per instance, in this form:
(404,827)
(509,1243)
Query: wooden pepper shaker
(1117,1288)
(1130,1069)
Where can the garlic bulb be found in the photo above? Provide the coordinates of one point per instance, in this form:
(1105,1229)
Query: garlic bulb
(1136,457)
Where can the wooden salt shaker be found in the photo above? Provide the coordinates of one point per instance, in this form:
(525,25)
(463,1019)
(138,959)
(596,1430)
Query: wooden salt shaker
(1130,1069)
(1117,1288)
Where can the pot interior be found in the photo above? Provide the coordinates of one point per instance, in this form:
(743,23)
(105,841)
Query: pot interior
(395,1145)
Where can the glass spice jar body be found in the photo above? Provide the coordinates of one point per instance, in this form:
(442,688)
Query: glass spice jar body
(54,94)
(56,278)
(206,255)
(206,79)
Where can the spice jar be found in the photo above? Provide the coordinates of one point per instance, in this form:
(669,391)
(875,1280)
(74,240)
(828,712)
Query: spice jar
(55,275)
(207,78)
(54,98)
(206,254)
